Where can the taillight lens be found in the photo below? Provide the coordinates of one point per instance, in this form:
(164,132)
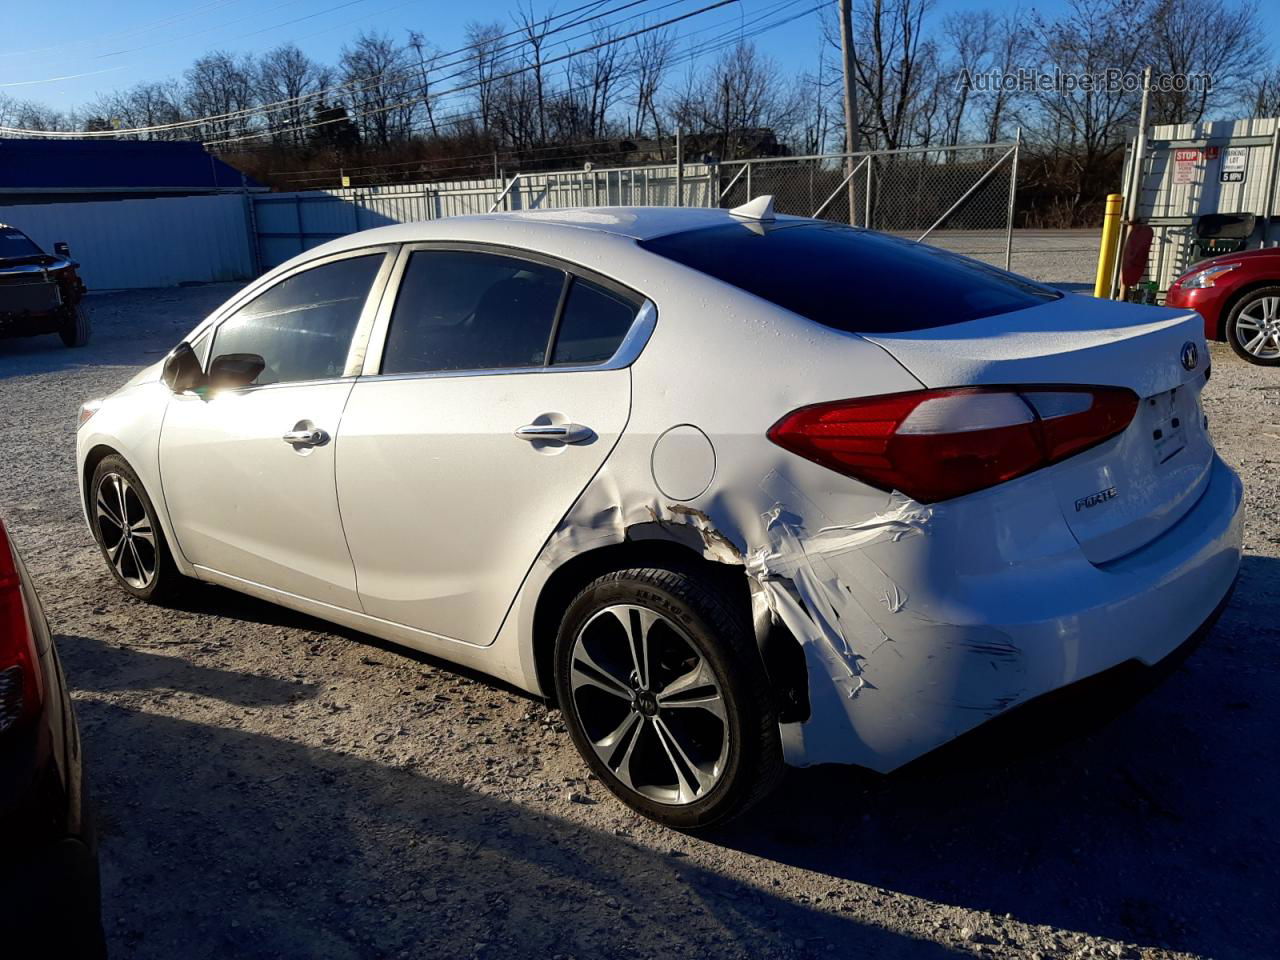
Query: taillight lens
(937,444)
(21,690)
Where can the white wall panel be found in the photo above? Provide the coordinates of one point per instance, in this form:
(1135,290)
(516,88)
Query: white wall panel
(156,242)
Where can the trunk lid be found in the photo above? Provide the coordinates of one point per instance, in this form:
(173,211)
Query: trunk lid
(1122,494)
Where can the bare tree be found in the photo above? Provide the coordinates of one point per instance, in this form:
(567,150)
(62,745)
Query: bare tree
(427,57)
(484,43)
(889,38)
(380,88)
(1007,51)
(1205,38)
(220,85)
(288,77)
(535,38)
(741,104)
(1261,93)
(651,59)
(598,75)
(1081,128)
(969,35)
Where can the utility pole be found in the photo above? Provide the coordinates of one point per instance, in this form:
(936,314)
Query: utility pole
(850,99)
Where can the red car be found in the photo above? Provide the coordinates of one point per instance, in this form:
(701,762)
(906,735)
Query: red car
(1238,294)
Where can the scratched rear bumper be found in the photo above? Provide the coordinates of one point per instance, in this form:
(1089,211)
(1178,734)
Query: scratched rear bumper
(905,675)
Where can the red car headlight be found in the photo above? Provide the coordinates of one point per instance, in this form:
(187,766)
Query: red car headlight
(1207,277)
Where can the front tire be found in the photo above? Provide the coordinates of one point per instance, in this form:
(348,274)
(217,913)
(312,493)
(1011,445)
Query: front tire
(76,328)
(666,698)
(1253,326)
(128,533)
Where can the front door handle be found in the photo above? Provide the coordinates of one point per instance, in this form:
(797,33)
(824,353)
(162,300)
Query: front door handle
(314,437)
(556,432)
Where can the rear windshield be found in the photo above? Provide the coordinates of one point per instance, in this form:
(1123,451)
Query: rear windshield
(849,279)
(14,243)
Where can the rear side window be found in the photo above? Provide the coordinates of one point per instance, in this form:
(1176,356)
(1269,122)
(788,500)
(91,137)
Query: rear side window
(465,310)
(850,279)
(302,327)
(593,325)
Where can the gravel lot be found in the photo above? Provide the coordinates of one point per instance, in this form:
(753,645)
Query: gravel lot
(268,785)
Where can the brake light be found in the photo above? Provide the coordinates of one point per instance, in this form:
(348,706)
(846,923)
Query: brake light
(21,689)
(937,444)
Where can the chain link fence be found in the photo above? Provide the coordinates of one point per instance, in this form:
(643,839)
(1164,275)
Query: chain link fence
(960,197)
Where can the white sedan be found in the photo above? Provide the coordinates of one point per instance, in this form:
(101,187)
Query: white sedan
(734,490)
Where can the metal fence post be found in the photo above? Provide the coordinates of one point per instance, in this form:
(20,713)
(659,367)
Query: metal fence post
(297,215)
(1272,164)
(871,162)
(679,169)
(251,224)
(1013,190)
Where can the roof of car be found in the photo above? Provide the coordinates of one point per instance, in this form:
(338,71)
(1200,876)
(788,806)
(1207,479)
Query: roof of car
(636,223)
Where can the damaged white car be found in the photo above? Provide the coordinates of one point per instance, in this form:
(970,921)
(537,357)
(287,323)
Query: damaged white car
(735,490)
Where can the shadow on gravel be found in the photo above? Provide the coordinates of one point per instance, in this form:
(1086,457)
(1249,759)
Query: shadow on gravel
(131,328)
(259,847)
(1150,828)
(104,668)
(217,601)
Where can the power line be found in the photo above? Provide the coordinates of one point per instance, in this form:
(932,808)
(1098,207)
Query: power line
(494,79)
(296,102)
(737,34)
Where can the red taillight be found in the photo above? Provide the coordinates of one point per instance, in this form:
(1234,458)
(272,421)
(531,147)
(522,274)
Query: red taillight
(21,690)
(937,444)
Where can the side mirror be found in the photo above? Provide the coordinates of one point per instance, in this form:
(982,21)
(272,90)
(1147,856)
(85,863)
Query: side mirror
(61,249)
(235,370)
(181,371)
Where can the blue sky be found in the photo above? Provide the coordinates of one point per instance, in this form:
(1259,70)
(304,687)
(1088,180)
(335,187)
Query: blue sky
(100,46)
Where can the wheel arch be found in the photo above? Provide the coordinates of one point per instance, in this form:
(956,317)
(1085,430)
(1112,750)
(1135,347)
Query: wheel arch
(780,652)
(95,456)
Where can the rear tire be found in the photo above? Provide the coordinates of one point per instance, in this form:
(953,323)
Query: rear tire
(129,535)
(666,698)
(1253,326)
(76,329)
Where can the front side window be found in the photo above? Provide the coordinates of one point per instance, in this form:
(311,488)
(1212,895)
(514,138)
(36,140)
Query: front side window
(467,310)
(303,325)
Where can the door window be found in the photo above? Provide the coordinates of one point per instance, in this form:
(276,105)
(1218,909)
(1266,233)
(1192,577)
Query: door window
(303,325)
(593,325)
(465,310)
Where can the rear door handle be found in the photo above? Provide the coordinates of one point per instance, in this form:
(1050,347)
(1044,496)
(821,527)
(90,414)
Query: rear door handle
(559,432)
(306,438)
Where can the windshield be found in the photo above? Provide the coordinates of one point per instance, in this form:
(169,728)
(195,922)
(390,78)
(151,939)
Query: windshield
(850,279)
(14,243)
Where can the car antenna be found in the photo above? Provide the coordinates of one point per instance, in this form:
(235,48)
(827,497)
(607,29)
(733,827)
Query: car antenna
(761,208)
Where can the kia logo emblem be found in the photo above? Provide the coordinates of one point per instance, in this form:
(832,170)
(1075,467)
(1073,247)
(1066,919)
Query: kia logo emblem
(1190,355)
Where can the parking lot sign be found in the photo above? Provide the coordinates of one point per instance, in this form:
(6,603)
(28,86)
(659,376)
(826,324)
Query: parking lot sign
(1234,162)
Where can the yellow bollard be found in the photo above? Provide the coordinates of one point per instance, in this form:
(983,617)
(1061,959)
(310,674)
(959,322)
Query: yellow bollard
(1111,224)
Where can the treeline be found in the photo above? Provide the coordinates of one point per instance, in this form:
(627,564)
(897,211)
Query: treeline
(535,94)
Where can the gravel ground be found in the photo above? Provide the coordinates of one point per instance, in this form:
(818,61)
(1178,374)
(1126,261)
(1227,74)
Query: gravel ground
(271,786)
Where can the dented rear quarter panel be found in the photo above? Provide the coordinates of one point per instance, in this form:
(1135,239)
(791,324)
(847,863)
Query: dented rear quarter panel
(918,623)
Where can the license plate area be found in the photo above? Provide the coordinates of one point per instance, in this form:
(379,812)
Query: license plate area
(1168,421)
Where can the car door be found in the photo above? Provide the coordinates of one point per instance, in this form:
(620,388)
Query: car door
(496,386)
(248,473)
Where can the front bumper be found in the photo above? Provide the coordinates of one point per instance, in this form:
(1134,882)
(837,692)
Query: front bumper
(893,676)
(1206,301)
